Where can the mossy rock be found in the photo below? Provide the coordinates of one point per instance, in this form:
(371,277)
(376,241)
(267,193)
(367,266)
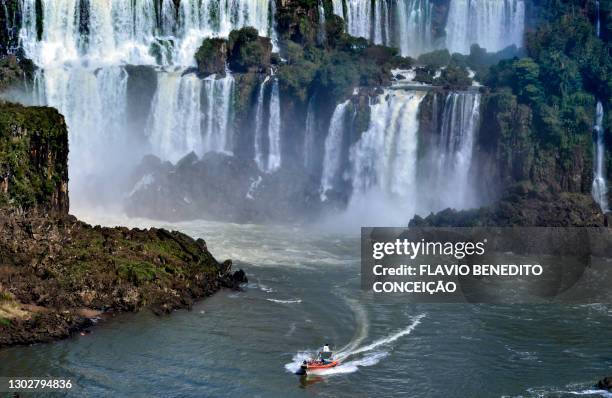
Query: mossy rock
(33,158)
(211,57)
(248,52)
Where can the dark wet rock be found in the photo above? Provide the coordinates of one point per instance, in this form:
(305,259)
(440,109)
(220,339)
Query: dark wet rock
(605,383)
(15,71)
(52,268)
(33,159)
(220,187)
(211,57)
(298,21)
(56,273)
(248,52)
(141,88)
(524,206)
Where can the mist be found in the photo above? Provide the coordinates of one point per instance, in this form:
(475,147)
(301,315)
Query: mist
(151,137)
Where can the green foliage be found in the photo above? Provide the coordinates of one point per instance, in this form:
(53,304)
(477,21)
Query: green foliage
(566,69)
(33,154)
(212,56)
(300,70)
(435,59)
(136,272)
(454,77)
(248,51)
(5,322)
(337,71)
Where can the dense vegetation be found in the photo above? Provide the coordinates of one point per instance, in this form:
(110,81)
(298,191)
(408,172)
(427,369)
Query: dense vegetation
(33,158)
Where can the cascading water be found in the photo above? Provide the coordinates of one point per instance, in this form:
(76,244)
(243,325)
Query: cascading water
(445,170)
(492,24)
(94,104)
(310,134)
(267,131)
(600,188)
(385,157)
(321,34)
(414,27)
(189,114)
(274,127)
(127,31)
(332,160)
(81,52)
(405,24)
(598,21)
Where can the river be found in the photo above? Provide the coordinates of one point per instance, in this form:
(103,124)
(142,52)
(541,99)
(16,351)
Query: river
(304,291)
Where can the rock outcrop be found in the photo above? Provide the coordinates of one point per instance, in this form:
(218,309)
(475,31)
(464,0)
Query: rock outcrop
(211,57)
(524,206)
(243,52)
(56,272)
(605,383)
(228,189)
(33,159)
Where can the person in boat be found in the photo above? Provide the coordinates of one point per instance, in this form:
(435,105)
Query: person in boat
(325,354)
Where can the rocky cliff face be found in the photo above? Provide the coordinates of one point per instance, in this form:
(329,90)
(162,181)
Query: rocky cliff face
(57,273)
(33,159)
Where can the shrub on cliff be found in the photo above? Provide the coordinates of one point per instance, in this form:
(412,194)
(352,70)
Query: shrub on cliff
(248,52)
(211,57)
(33,158)
(567,68)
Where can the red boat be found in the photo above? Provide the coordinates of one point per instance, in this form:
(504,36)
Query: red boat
(317,365)
(323,361)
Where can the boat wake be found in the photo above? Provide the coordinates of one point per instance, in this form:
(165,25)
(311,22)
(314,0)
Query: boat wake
(596,393)
(569,390)
(387,340)
(293,301)
(364,355)
(363,326)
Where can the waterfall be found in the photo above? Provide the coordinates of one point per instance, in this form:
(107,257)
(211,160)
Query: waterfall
(414,27)
(321,34)
(385,157)
(598,21)
(267,131)
(274,127)
(126,31)
(259,125)
(446,169)
(332,159)
(492,24)
(218,133)
(81,53)
(359,17)
(189,114)
(175,109)
(600,188)
(310,134)
(94,105)
(405,24)
(338,7)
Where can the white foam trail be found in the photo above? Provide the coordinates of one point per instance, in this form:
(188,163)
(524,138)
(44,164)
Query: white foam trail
(297,360)
(363,326)
(293,301)
(353,365)
(602,393)
(390,339)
